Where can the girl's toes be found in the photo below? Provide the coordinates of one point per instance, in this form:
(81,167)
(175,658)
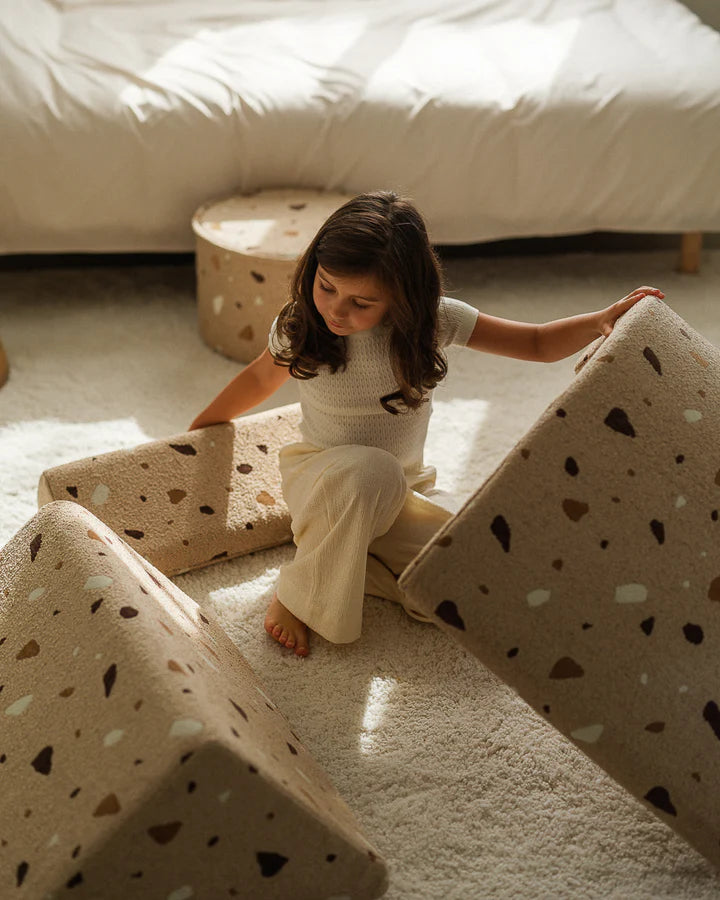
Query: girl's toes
(277,631)
(290,642)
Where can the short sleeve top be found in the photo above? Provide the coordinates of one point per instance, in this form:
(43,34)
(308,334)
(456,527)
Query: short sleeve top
(345,408)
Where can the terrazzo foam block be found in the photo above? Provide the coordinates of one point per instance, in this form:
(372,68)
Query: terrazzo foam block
(192,499)
(585,572)
(247,247)
(140,756)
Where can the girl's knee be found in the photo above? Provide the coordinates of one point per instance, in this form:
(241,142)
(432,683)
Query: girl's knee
(367,472)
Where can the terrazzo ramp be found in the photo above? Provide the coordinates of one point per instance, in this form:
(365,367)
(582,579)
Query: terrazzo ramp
(139,754)
(193,499)
(594,550)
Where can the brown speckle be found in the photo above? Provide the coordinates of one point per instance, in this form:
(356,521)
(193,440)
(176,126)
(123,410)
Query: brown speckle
(566,667)
(185,449)
(163,834)
(618,420)
(35,544)
(575,509)
(448,612)
(660,798)
(31,649)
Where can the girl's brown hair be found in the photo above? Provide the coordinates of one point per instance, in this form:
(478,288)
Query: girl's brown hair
(379,234)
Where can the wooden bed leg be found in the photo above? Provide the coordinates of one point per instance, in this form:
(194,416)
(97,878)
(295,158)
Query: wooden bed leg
(690,248)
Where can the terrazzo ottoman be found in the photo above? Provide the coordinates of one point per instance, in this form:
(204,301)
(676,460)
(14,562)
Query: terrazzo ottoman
(585,572)
(192,499)
(247,247)
(140,756)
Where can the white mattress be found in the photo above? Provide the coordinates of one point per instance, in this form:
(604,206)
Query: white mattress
(523,117)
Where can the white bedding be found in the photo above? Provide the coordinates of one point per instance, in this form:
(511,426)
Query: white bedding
(522,117)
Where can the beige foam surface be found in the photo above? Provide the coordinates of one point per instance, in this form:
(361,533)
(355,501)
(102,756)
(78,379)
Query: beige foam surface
(586,571)
(192,499)
(140,756)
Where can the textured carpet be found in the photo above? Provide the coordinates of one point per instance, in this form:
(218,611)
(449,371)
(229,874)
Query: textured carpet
(465,790)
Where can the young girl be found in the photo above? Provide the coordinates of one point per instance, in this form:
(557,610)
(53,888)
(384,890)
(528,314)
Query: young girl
(363,332)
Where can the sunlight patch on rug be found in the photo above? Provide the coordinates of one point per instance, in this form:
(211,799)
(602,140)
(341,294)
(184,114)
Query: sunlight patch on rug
(379,693)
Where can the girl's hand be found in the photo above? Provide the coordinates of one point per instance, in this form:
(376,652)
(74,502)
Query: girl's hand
(609,316)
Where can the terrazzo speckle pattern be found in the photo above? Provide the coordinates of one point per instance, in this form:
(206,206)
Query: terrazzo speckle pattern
(190,500)
(139,755)
(579,578)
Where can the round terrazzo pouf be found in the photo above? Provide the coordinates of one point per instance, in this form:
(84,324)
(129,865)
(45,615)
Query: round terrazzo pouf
(4,368)
(247,247)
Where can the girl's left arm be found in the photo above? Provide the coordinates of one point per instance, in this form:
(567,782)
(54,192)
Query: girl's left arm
(554,340)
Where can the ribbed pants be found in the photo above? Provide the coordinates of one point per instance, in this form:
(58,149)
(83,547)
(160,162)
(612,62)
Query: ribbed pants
(356,523)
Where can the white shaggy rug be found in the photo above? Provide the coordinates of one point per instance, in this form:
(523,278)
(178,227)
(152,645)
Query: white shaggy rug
(464,790)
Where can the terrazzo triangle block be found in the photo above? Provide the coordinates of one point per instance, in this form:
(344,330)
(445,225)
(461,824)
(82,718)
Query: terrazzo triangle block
(193,499)
(139,754)
(585,572)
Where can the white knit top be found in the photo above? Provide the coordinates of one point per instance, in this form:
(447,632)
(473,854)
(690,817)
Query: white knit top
(344,407)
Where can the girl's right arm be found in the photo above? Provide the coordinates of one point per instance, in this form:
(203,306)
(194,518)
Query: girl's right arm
(257,381)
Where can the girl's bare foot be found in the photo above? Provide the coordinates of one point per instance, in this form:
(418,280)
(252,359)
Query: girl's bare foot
(286,628)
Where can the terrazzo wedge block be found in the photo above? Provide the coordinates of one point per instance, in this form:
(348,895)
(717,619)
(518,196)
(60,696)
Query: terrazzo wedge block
(139,754)
(585,572)
(247,247)
(193,499)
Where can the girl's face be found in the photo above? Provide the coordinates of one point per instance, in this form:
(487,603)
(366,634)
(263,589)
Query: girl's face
(350,304)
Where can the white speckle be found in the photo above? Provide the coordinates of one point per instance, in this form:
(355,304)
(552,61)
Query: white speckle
(589,734)
(19,706)
(258,301)
(76,652)
(218,304)
(686,584)
(113,737)
(98,656)
(212,443)
(683,688)
(54,840)
(185,727)
(181,893)
(302,774)
(225,796)
(538,597)
(265,696)
(692,415)
(100,495)
(208,661)
(680,502)
(703,553)
(643,678)
(630,593)
(36,594)
(95,582)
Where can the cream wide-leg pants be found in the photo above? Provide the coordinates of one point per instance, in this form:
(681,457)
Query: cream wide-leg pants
(357,522)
